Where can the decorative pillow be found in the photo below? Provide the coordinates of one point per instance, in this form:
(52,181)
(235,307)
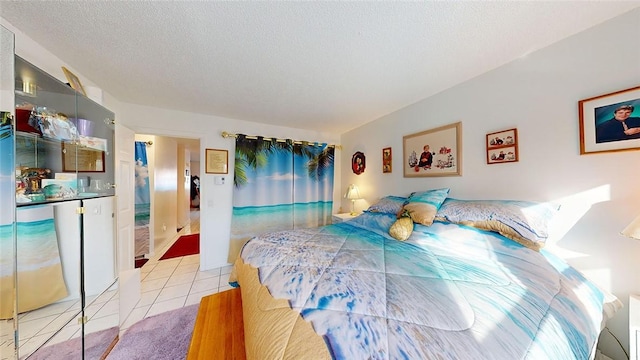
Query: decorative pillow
(423,206)
(401,229)
(526,222)
(388,205)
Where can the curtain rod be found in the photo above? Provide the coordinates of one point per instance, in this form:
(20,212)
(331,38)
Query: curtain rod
(228,135)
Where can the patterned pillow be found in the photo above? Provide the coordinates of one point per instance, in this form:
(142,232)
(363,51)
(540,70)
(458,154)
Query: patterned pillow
(388,205)
(526,222)
(422,206)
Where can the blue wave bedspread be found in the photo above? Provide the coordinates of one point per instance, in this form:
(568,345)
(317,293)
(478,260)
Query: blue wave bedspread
(449,292)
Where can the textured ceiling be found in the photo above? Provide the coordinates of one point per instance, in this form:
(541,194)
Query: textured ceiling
(324,66)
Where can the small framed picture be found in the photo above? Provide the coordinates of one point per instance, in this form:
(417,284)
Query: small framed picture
(610,122)
(73,80)
(502,146)
(216,161)
(386,160)
(358,163)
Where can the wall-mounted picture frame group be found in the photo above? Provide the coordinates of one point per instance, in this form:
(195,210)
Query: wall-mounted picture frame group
(386,160)
(610,122)
(216,161)
(502,146)
(434,152)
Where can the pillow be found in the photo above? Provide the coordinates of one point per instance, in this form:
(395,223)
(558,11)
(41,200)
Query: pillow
(526,222)
(388,205)
(401,229)
(422,206)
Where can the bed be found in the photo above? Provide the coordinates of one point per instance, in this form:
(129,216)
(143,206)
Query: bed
(469,281)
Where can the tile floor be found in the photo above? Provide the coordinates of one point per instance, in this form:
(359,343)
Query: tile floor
(166,285)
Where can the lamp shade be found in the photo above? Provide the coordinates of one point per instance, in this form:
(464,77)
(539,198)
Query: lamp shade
(352,193)
(633,230)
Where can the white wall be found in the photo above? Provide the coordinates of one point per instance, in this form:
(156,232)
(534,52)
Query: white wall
(538,95)
(195,168)
(165,189)
(183,187)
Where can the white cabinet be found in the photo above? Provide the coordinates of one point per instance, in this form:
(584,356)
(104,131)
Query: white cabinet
(68,229)
(634,327)
(338,218)
(99,244)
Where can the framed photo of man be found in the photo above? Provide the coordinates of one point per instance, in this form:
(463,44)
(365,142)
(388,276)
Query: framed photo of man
(610,122)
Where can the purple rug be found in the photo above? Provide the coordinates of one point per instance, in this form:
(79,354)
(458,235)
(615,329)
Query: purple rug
(96,344)
(165,336)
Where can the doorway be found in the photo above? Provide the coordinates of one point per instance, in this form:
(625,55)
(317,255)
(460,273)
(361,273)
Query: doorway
(171,163)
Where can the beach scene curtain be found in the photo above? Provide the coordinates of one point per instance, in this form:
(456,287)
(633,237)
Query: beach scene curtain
(279,185)
(7,215)
(142,200)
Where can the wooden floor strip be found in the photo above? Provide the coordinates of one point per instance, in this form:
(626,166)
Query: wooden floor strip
(219,330)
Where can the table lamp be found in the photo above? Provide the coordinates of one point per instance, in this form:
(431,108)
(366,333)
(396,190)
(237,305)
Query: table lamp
(352,194)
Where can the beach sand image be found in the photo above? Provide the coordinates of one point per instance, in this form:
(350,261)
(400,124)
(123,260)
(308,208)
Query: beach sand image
(36,289)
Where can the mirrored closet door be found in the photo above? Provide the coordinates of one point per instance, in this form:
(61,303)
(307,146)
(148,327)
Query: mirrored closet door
(59,278)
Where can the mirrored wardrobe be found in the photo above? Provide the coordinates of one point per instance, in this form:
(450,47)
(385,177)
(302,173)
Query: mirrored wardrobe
(58,273)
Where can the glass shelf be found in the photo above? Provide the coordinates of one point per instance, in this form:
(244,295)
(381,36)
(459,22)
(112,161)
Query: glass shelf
(64,141)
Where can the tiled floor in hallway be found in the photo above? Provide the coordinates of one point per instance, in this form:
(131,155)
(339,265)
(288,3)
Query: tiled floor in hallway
(175,283)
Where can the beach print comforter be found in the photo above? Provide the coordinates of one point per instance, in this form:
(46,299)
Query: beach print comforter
(448,292)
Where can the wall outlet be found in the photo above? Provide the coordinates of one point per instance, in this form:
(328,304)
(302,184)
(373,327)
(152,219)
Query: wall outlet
(164,227)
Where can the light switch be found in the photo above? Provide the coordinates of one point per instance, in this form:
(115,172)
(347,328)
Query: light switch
(219,180)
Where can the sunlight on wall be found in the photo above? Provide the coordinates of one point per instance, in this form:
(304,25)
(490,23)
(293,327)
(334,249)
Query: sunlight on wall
(572,209)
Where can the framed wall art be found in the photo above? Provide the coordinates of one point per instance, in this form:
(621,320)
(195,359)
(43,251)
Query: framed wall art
(435,152)
(386,160)
(358,163)
(216,161)
(73,80)
(79,157)
(502,146)
(610,122)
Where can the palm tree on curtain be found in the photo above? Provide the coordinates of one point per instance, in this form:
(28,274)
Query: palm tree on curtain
(6,125)
(319,163)
(254,154)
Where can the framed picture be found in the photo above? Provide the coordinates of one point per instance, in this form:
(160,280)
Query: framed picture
(386,160)
(610,122)
(502,146)
(435,152)
(73,80)
(77,156)
(358,163)
(216,161)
